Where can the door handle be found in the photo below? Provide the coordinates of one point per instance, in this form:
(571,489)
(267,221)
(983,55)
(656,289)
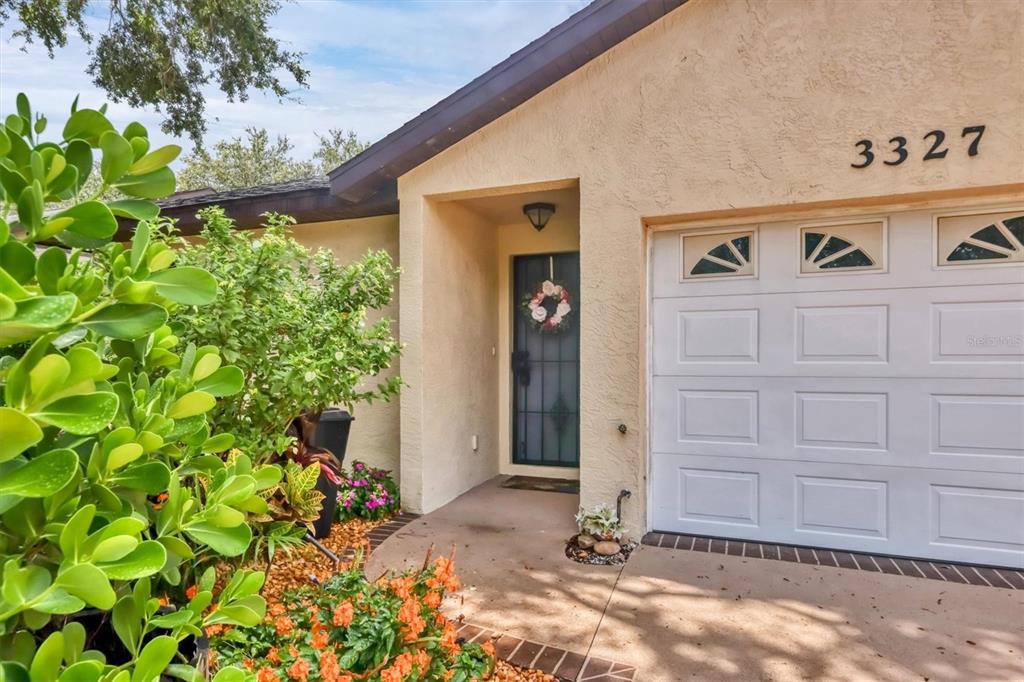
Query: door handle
(521,366)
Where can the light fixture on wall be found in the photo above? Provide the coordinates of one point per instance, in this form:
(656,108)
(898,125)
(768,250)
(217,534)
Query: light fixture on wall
(539,214)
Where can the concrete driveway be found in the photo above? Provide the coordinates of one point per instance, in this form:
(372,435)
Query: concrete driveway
(679,615)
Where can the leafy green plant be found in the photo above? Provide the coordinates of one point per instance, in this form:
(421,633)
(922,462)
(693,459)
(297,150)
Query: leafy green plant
(601,522)
(367,493)
(352,629)
(296,498)
(109,485)
(294,321)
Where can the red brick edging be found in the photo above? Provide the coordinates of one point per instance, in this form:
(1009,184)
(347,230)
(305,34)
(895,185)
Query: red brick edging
(965,574)
(567,666)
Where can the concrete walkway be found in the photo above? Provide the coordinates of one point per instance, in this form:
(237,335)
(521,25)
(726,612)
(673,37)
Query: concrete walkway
(680,615)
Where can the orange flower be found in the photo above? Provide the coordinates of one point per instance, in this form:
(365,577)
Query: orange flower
(448,639)
(299,670)
(444,576)
(447,675)
(213,630)
(422,662)
(278,609)
(273,656)
(211,659)
(329,668)
(284,625)
(247,663)
(292,650)
(410,615)
(488,648)
(399,669)
(164,601)
(343,614)
(402,587)
(432,599)
(266,674)
(191,592)
(319,640)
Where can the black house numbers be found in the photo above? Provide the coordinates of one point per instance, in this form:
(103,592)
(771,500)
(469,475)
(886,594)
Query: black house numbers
(934,145)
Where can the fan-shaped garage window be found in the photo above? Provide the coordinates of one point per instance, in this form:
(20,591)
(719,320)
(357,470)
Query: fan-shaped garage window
(836,248)
(721,254)
(988,238)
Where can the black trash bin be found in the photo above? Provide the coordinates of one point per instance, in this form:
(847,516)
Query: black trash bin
(332,433)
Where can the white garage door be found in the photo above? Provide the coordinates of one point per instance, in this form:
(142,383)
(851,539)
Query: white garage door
(855,384)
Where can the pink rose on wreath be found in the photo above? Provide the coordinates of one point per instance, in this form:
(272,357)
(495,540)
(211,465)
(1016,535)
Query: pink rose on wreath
(548,307)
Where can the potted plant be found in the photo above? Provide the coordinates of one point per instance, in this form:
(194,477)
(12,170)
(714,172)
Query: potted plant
(599,529)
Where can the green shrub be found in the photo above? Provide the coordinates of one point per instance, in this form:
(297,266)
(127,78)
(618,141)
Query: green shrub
(352,629)
(111,496)
(294,321)
(367,493)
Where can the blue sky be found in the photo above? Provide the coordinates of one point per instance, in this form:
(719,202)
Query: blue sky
(373,65)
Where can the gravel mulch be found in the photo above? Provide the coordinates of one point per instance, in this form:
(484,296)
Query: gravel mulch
(506,672)
(306,565)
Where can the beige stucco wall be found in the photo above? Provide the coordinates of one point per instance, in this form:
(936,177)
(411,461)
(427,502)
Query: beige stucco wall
(375,432)
(722,105)
(517,239)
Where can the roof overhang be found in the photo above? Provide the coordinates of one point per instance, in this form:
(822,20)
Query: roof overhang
(565,48)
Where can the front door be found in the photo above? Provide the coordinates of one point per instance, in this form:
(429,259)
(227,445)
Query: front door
(545,359)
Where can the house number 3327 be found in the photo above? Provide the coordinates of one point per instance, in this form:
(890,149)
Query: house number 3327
(900,148)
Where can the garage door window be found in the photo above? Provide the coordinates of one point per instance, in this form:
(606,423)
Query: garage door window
(719,254)
(979,239)
(841,248)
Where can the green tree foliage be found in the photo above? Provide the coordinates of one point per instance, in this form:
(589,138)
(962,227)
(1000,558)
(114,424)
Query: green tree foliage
(294,321)
(163,52)
(111,491)
(259,160)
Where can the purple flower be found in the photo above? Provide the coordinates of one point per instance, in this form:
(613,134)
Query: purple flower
(359,466)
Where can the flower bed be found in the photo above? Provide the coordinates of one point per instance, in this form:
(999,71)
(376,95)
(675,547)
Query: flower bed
(368,493)
(389,630)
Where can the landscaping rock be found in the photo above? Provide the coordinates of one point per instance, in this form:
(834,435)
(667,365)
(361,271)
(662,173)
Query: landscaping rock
(585,541)
(607,548)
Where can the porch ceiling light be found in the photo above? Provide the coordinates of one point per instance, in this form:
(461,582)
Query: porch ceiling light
(539,214)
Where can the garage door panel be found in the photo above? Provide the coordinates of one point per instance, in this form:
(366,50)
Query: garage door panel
(943,423)
(888,510)
(911,262)
(904,333)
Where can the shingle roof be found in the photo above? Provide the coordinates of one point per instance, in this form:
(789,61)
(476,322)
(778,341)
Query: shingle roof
(208,196)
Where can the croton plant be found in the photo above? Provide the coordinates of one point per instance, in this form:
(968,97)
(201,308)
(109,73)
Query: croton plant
(113,499)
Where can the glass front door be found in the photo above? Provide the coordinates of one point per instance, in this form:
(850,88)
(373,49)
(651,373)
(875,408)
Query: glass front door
(545,360)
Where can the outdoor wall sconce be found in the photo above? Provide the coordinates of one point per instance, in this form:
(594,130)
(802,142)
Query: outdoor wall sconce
(539,214)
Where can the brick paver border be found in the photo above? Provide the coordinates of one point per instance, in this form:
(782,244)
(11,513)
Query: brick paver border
(967,574)
(567,666)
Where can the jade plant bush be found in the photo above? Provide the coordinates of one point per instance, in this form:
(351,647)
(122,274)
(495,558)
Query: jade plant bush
(294,321)
(353,629)
(113,498)
(367,493)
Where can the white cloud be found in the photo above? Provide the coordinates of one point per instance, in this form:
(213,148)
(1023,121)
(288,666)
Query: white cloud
(373,66)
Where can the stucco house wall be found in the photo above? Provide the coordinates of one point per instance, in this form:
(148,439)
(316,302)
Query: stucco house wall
(374,435)
(720,106)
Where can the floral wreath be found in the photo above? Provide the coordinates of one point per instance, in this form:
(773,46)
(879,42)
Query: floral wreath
(548,307)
